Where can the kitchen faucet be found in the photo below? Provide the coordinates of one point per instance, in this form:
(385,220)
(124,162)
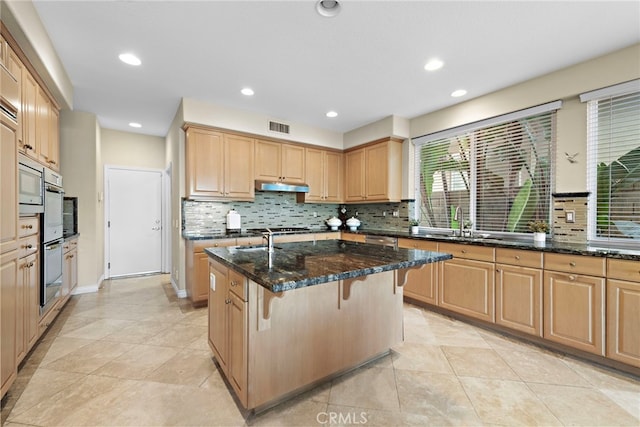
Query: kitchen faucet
(459,216)
(269,236)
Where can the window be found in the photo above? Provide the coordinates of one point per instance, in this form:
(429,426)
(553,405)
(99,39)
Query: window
(497,171)
(613,133)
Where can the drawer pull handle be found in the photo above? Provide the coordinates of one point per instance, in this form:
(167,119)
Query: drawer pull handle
(518,257)
(227,301)
(28,226)
(464,251)
(572,264)
(572,277)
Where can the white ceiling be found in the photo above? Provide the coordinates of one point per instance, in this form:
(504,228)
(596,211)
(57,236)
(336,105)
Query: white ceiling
(366,64)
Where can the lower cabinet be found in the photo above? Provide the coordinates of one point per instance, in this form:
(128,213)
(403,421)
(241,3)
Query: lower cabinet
(8,290)
(197,268)
(70,268)
(228,332)
(421,284)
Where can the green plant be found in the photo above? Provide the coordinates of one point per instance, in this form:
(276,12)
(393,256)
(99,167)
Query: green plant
(538,226)
(413,222)
(467,224)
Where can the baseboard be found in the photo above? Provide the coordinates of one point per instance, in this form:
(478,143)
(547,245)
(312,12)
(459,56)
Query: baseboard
(89,288)
(180,293)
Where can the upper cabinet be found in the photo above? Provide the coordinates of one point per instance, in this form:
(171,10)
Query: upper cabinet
(323,174)
(276,161)
(219,165)
(374,173)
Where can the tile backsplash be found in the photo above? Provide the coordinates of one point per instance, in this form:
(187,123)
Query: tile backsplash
(274,209)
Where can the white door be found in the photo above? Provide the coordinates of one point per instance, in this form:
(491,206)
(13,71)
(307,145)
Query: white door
(134,222)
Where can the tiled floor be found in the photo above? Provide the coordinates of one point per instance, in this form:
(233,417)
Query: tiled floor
(134,355)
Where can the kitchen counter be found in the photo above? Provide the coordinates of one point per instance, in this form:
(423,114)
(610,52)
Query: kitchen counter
(553,247)
(297,265)
(243,233)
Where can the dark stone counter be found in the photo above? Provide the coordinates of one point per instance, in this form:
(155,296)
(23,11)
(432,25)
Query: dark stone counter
(297,265)
(244,233)
(554,247)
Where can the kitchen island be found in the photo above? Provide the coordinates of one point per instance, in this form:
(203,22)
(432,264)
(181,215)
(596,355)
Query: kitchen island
(281,323)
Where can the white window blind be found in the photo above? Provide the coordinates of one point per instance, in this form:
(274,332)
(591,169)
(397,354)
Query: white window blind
(498,172)
(614,163)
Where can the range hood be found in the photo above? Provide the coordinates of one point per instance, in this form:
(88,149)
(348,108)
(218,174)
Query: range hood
(281,186)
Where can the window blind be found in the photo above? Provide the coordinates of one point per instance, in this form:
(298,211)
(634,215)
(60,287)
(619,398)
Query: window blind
(613,133)
(499,174)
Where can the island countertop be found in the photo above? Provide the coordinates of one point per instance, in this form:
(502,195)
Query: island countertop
(297,265)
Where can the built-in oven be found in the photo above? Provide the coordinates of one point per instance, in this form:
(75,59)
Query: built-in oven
(51,274)
(30,186)
(52,223)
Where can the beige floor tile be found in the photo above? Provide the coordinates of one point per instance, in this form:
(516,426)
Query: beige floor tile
(74,322)
(420,357)
(627,400)
(179,335)
(90,357)
(347,416)
(501,342)
(439,397)
(139,333)
(295,412)
(138,362)
(373,388)
(188,367)
(583,406)
(62,346)
(541,367)
(507,403)
(478,362)
(602,377)
(455,335)
(98,329)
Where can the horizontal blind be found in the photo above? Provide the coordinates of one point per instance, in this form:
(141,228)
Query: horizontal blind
(614,167)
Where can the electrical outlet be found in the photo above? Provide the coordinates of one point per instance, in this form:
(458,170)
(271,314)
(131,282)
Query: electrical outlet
(384,213)
(396,214)
(315,214)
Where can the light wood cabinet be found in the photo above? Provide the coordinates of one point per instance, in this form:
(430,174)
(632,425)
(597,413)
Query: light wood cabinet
(324,175)
(43,105)
(276,161)
(353,237)
(623,311)
(69,268)
(197,268)
(9,272)
(228,325)
(374,173)
(9,77)
(219,165)
(8,184)
(467,282)
(27,144)
(28,285)
(421,283)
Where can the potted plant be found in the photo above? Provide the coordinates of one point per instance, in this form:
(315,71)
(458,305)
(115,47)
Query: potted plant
(413,225)
(467,228)
(539,229)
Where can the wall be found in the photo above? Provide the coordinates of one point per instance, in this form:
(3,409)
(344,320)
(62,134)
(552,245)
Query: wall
(132,149)
(79,159)
(565,85)
(389,126)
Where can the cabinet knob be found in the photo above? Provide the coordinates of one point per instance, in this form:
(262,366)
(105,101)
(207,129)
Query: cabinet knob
(53,162)
(518,257)
(497,271)
(464,251)
(572,264)
(28,226)
(572,277)
(227,301)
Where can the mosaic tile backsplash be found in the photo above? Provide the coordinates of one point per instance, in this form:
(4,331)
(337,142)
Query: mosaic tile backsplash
(274,209)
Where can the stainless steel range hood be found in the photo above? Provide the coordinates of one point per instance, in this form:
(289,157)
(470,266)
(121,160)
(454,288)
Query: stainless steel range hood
(281,186)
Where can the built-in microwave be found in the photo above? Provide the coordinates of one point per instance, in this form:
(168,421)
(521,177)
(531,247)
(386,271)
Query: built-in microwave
(30,186)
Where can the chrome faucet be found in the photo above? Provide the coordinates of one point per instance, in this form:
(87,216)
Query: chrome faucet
(269,236)
(459,216)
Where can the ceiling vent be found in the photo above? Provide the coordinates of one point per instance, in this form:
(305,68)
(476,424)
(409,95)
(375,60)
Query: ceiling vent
(278,127)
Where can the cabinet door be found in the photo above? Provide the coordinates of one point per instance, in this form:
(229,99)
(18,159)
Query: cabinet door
(333,176)
(218,327)
(42,126)
(8,185)
(74,270)
(422,283)
(67,274)
(623,321)
(377,172)
(467,287)
(205,161)
(29,114)
(519,298)
(239,168)
(292,163)
(574,310)
(268,160)
(200,288)
(354,175)
(238,346)
(8,279)
(15,67)
(20,309)
(54,139)
(314,170)
(33,301)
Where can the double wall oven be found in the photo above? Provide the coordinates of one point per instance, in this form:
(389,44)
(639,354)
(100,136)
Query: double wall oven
(52,239)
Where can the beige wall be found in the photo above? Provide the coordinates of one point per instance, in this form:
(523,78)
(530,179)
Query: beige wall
(565,85)
(389,126)
(132,149)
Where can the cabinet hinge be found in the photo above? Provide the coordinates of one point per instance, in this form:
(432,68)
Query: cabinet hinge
(109,265)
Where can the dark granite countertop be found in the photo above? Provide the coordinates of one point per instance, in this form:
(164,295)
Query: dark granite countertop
(297,265)
(553,247)
(243,233)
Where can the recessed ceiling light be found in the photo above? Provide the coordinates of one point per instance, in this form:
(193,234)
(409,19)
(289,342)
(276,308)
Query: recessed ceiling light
(328,8)
(458,93)
(332,114)
(247,91)
(433,64)
(129,58)
(135,125)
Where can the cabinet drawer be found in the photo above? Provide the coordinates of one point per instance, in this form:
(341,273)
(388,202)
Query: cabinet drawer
(352,237)
(200,245)
(479,253)
(249,241)
(294,238)
(588,265)
(238,284)
(425,245)
(28,245)
(28,226)
(623,269)
(328,236)
(518,257)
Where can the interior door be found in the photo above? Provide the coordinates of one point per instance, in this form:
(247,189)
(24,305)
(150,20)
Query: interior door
(134,222)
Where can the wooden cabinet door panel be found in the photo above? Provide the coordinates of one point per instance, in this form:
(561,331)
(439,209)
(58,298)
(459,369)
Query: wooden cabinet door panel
(467,287)
(422,283)
(315,178)
(292,163)
(205,163)
(238,335)
(33,301)
(333,176)
(519,298)
(53,160)
(574,310)
(354,175)
(20,309)
(42,126)
(29,114)
(8,185)
(623,321)
(218,326)
(200,288)
(239,167)
(268,158)
(377,173)
(8,279)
